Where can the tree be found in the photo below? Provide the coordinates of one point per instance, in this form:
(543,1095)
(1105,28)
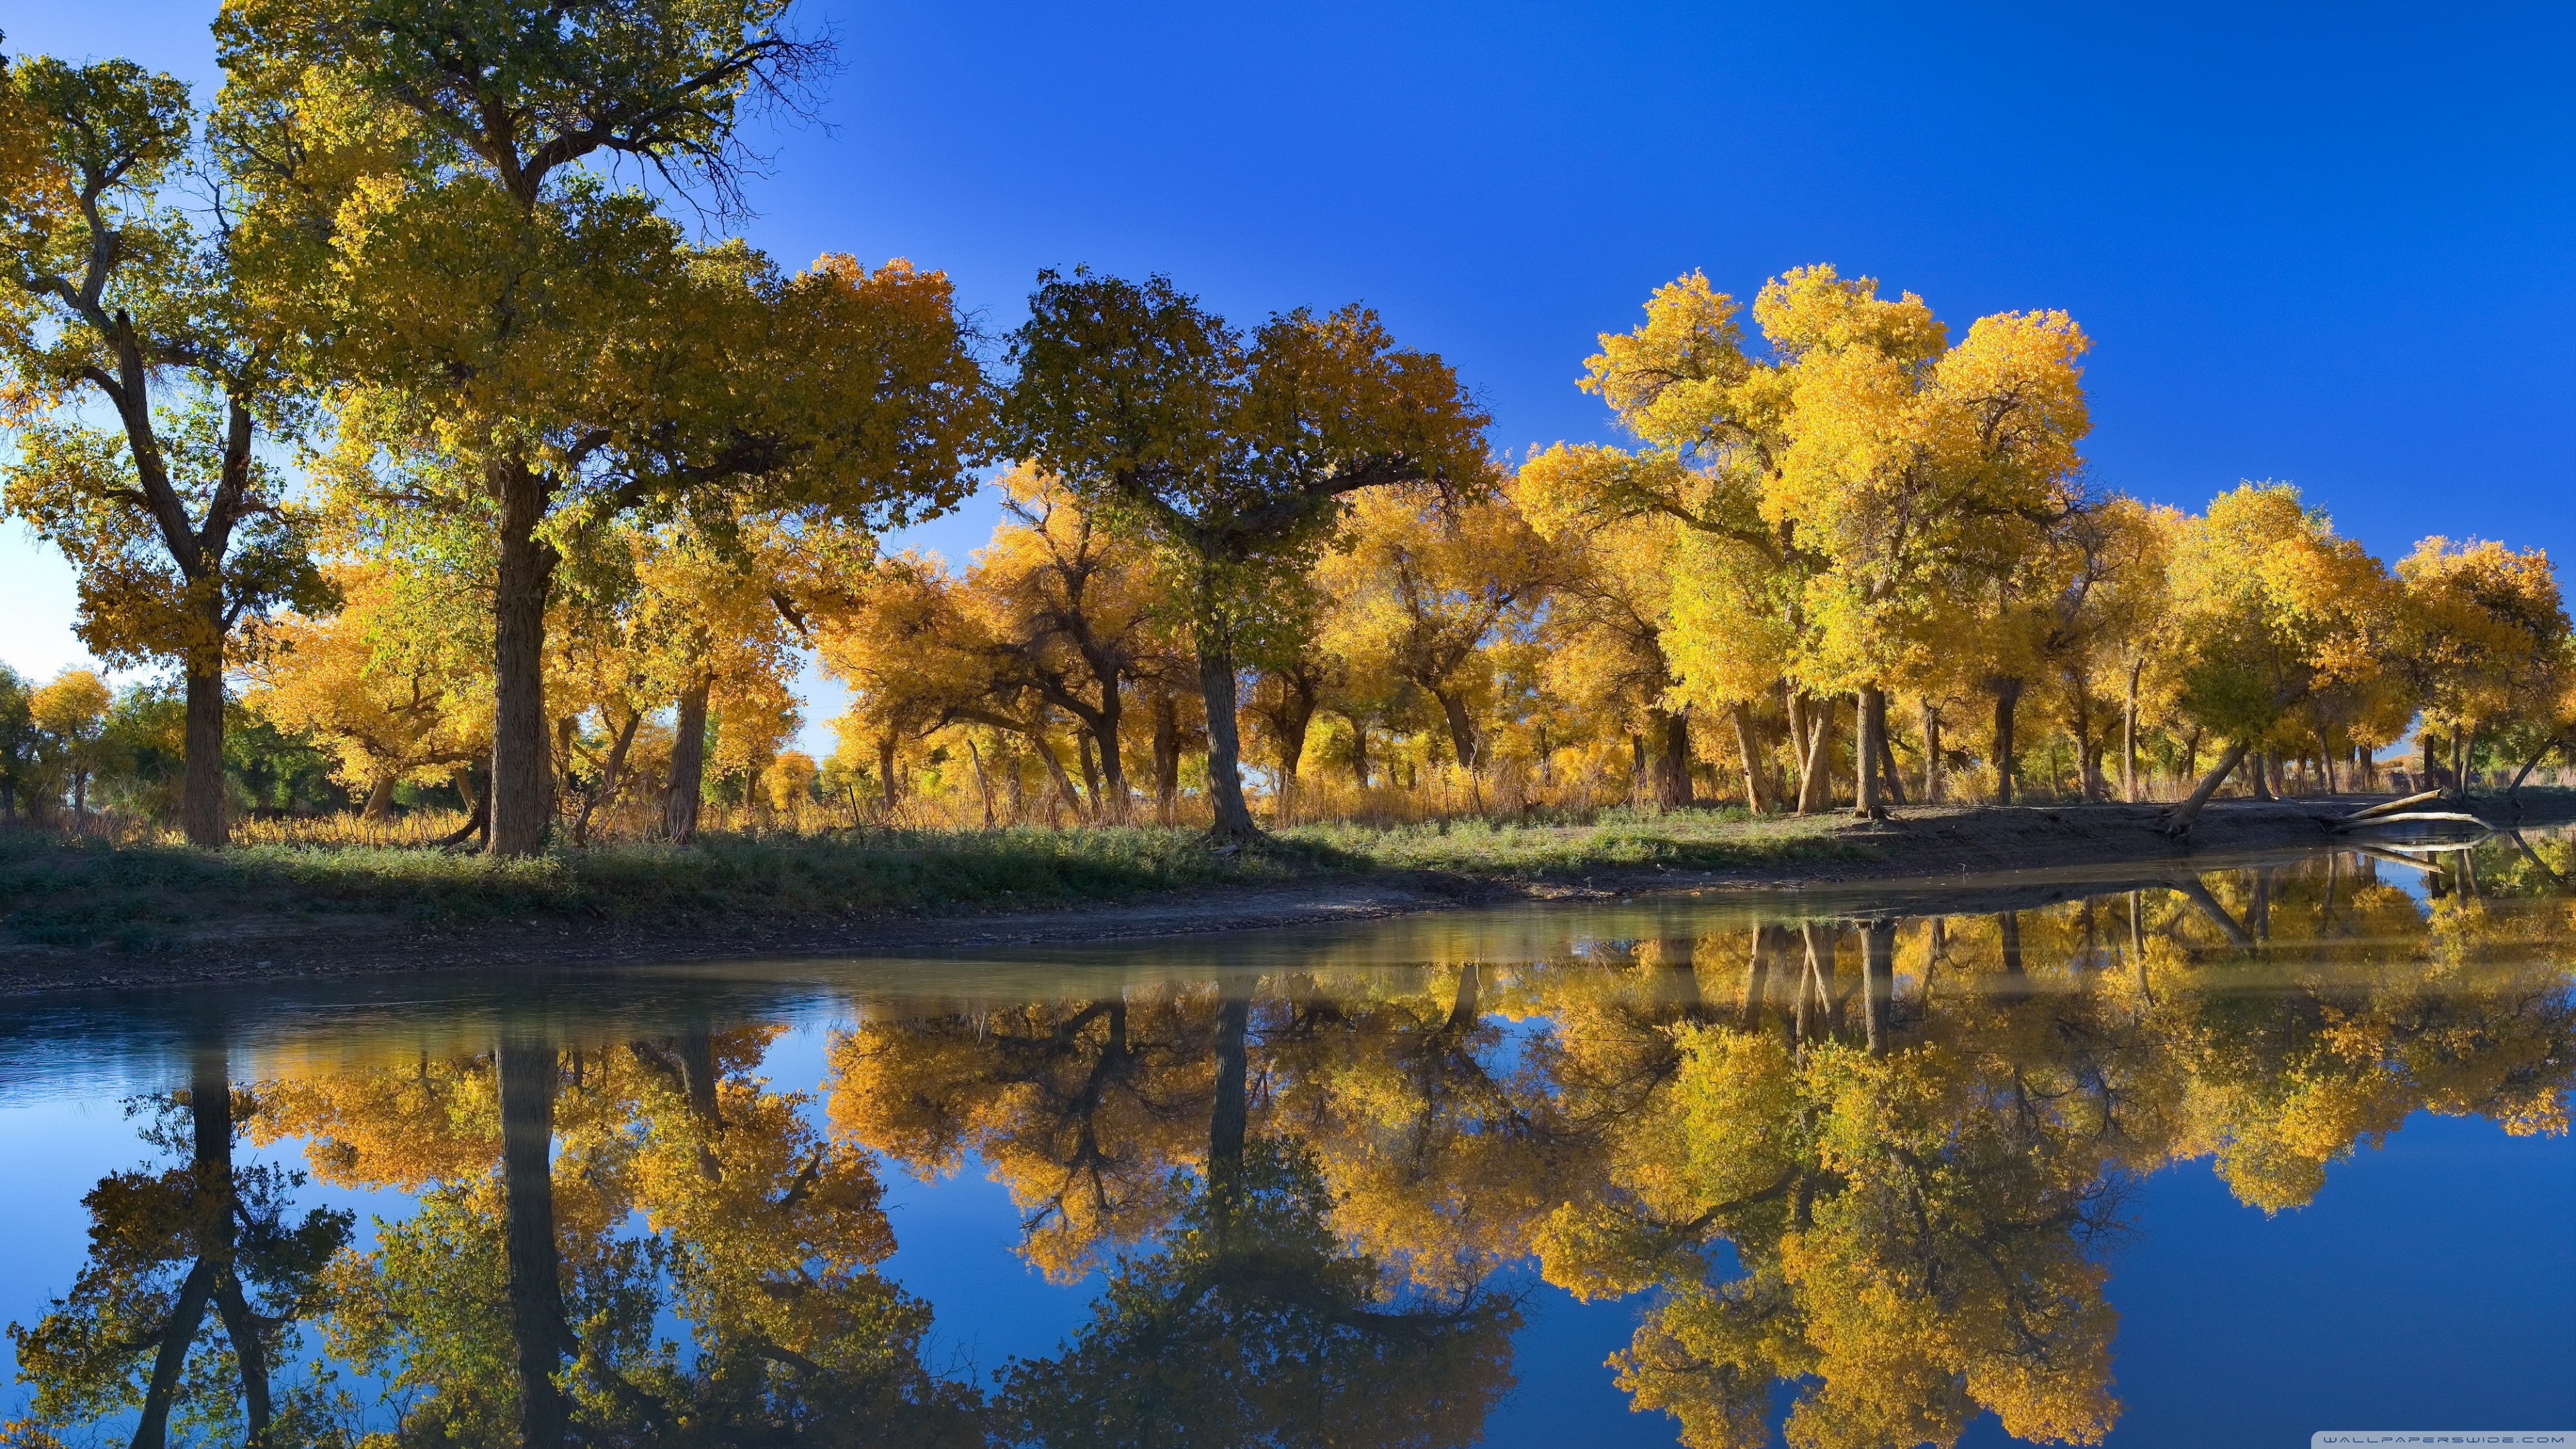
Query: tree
(196,1280)
(20,743)
(393,701)
(1910,462)
(177,527)
(1425,587)
(1714,423)
(2272,610)
(1068,612)
(1231,455)
(71,715)
(2484,633)
(1608,634)
(554,335)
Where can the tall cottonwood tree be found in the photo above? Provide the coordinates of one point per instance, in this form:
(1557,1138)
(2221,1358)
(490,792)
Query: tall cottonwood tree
(144,381)
(554,331)
(1232,454)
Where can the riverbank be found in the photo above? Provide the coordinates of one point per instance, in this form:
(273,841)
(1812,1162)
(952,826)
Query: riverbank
(82,914)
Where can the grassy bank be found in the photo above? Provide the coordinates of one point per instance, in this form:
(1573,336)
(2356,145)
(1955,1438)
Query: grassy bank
(145,897)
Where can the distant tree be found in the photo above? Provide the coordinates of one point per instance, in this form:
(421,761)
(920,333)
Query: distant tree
(70,715)
(19,754)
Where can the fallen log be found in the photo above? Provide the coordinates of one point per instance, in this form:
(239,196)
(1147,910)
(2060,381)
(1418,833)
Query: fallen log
(2410,816)
(2385,806)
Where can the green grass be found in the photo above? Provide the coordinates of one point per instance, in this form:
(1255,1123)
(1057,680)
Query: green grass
(1688,840)
(55,891)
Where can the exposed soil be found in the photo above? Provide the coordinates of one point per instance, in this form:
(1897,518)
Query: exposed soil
(1949,846)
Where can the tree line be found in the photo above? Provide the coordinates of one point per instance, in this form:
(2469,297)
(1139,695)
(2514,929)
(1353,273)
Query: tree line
(389,396)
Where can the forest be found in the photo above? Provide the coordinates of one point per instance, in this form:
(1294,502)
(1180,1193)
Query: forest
(447,472)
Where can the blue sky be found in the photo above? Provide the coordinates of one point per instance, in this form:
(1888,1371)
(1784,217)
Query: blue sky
(2329,244)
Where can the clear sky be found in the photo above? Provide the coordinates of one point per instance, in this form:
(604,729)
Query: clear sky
(2330,244)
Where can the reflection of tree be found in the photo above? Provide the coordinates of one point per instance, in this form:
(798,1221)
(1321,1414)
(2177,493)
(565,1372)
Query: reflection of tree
(1893,1202)
(1254,1325)
(518,1303)
(195,1282)
(1080,1108)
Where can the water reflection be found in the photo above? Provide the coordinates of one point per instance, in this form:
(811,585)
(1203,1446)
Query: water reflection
(1862,1164)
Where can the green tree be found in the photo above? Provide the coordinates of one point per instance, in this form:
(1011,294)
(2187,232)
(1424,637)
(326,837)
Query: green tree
(175,524)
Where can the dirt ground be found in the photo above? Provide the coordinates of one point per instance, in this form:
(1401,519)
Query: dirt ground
(1951,845)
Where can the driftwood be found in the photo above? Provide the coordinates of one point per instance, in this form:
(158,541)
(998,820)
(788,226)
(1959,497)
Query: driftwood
(2386,806)
(2406,817)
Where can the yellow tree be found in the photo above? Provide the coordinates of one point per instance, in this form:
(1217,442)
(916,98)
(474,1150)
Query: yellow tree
(119,308)
(2094,592)
(1232,455)
(392,703)
(1067,610)
(71,714)
(1911,461)
(2484,634)
(2271,610)
(1424,588)
(1714,424)
(1608,637)
(554,334)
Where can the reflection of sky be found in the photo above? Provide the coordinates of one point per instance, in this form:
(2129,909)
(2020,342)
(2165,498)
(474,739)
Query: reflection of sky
(2428,1285)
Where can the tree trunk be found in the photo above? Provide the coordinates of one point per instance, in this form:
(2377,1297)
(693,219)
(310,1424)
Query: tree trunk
(523,775)
(2464,756)
(1820,976)
(680,799)
(2426,762)
(2007,701)
(1867,804)
(2008,937)
(1931,753)
(1673,770)
(1088,758)
(538,1333)
(1225,766)
(1795,703)
(1167,756)
(2527,766)
(1814,783)
(611,773)
(2255,770)
(1111,791)
(1359,752)
(201,790)
(2129,735)
(2178,822)
(380,798)
(889,783)
(1741,717)
(1462,731)
(983,781)
(1891,779)
(1757,972)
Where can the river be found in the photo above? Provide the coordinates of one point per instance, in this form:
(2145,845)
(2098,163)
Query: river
(2217,1156)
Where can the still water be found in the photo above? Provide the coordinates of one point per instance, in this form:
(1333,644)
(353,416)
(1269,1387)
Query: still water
(2217,1157)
